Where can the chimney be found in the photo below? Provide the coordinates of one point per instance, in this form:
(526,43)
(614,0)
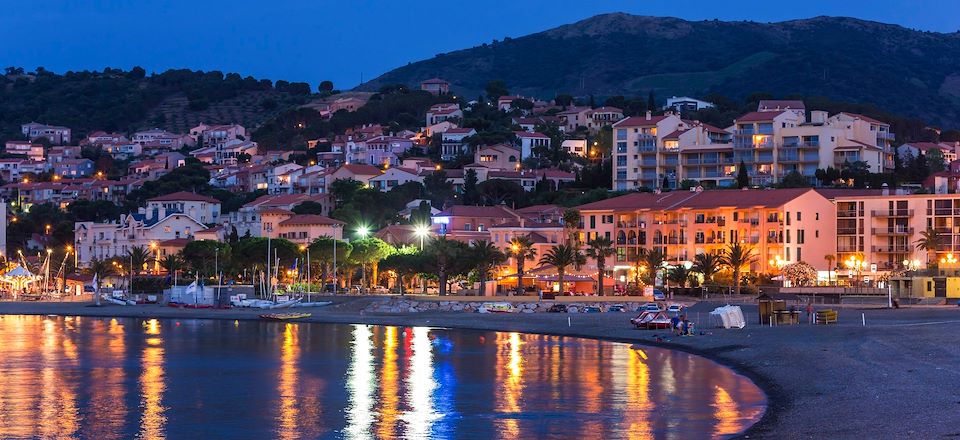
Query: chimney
(523,221)
(649,115)
(885,190)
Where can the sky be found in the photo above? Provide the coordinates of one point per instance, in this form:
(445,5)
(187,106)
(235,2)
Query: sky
(346,40)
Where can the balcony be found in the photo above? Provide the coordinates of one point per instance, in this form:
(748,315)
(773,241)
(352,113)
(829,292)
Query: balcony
(946,211)
(647,148)
(849,213)
(886,135)
(848,248)
(629,224)
(891,249)
(849,231)
(892,231)
(892,213)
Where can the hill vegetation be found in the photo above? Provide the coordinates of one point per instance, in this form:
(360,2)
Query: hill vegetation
(900,70)
(126,101)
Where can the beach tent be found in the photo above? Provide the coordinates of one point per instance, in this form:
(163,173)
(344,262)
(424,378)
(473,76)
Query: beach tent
(728,317)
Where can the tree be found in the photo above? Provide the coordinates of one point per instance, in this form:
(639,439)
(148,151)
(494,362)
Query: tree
(743,179)
(326,86)
(654,262)
(138,256)
(830,259)
(308,207)
(571,221)
(202,255)
(563,256)
(858,172)
(470,195)
(495,89)
(368,252)
(679,274)
(521,250)
(322,253)
(500,191)
(651,102)
(100,269)
(600,249)
(486,256)
(563,100)
(929,241)
(794,179)
(800,274)
(404,264)
(736,257)
(438,188)
(171,264)
(444,252)
(707,264)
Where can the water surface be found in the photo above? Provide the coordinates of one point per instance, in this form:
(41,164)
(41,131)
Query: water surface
(103,378)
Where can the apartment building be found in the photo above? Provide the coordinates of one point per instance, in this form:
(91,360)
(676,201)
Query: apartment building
(452,143)
(201,208)
(640,156)
(883,229)
(57,135)
(785,225)
(435,86)
(111,239)
(438,113)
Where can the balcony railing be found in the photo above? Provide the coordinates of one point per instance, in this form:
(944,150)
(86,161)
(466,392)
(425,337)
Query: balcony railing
(892,231)
(849,248)
(891,249)
(892,213)
(946,211)
(849,213)
(849,231)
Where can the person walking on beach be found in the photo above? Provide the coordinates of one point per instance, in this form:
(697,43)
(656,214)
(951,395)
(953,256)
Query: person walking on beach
(809,312)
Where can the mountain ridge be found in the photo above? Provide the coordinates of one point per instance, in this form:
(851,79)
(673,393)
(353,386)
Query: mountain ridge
(907,71)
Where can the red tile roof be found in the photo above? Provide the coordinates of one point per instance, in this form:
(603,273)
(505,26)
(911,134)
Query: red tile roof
(310,219)
(698,200)
(760,116)
(184,196)
(478,211)
(640,121)
(864,118)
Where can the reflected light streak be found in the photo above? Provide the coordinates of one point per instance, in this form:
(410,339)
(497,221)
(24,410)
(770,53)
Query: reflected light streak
(420,385)
(360,385)
(510,389)
(152,385)
(639,406)
(389,386)
(287,385)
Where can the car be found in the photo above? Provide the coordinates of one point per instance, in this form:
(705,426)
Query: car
(675,309)
(650,307)
(591,309)
(658,295)
(557,308)
(379,290)
(617,308)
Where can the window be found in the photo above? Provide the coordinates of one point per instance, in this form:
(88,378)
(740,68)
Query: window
(798,215)
(621,161)
(816,233)
(593,222)
(800,237)
(816,216)
(799,258)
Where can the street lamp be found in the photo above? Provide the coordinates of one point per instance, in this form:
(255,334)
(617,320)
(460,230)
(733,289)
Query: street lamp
(156,261)
(421,231)
(363,231)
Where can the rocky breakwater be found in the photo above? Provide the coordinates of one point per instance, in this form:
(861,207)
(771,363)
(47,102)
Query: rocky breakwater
(405,305)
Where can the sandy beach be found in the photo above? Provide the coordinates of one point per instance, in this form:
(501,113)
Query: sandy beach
(895,377)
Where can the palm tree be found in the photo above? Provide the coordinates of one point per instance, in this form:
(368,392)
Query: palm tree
(486,256)
(100,269)
(638,265)
(708,265)
(654,260)
(599,249)
(563,256)
(171,263)
(736,257)
(830,259)
(571,221)
(929,240)
(138,256)
(521,249)
(445,251)
(680,275)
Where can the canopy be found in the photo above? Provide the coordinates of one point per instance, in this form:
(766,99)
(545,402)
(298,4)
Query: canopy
(17,272)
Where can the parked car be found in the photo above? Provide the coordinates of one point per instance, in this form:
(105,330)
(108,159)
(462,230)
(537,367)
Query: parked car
(557,308)
(591,309)
(675,309)
(617,308)
(658,295)
(650,307)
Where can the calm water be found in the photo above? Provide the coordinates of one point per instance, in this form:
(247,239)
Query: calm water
(102,378)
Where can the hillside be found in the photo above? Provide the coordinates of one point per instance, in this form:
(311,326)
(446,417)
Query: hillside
(117,100)
(901,70)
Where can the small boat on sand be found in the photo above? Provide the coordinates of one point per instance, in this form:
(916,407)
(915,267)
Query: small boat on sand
(285,316)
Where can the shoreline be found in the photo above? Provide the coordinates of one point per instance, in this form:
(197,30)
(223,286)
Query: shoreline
(782,361)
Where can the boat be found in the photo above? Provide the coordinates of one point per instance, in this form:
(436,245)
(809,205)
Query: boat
(651,320)
(285,316)
(495,307)
(285,304)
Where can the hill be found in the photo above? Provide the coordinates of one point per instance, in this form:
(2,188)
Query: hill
(901,70)
(126,101)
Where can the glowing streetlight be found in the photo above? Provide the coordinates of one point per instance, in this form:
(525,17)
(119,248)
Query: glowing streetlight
(421,231)
(363,231)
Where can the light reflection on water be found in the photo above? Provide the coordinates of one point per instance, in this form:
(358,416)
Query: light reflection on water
(122,378)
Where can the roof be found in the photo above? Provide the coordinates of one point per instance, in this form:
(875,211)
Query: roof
(760,116)
(184,196)
(527,134)
(275,211)
(698,200)
(461,130)
(640,121)
(478,211)
(780,104)
(175,242)
(606,109)
(273,201)
(361,169)
(310,219)
(924,146)
(864,118)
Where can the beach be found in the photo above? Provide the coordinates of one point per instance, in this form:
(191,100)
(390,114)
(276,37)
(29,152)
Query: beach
(895,377)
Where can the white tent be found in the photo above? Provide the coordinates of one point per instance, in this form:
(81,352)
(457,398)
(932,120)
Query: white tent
(728,317)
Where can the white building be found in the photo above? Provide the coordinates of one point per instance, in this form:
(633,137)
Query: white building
(685,103)
(108,240)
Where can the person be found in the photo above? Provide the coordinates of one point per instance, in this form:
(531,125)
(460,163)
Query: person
(809,312)
(685,326)
(675,324)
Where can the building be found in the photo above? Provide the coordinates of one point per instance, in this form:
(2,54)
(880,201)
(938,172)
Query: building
(453,143)
(56,134)
(73,168)
(435,86)
(529,141)
(248,219)
(204,209)
(641,157)
(162,139)
(102,137)
(883,229)
(299,228)
(575,147)
(471,223)
(350,104)
(27,149)
(112,239)
(393,177)
(498,157)
(947,150)
(441,112)
(781,226)
(682,104)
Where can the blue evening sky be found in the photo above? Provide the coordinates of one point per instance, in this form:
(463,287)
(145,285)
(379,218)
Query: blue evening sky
(313,40)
